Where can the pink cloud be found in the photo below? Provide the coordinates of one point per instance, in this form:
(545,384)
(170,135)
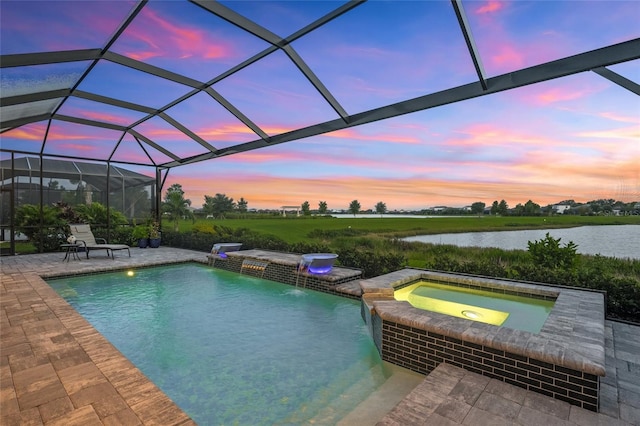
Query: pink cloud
(72,147)
(175,40)
(355,134)
(559,94)
(302,157)
(56,134)
(619,117)
(507,56)
(490,7)
(483,135)
(630,133)
(504,49)
(233,132)
(103,117)
(31,132)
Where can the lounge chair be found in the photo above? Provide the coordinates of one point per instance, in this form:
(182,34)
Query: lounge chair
(85,239)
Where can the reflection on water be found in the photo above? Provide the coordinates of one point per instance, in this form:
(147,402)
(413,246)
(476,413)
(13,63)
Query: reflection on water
(621,241)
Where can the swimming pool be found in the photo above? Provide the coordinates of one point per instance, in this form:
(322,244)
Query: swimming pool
(234,349)
(508,310)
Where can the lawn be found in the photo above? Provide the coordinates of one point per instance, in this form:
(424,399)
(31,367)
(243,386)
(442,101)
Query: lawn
(296,229)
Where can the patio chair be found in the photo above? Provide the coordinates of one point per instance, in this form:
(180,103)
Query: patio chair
(85,239)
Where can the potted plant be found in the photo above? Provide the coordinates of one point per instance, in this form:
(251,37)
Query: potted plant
(141,234)
(154,234)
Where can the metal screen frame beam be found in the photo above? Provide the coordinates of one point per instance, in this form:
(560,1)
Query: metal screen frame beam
(583,62)
(34,97)
(616,78)
(471,44)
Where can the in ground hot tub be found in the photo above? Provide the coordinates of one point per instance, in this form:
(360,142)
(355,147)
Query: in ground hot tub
(497,308)
(318,263)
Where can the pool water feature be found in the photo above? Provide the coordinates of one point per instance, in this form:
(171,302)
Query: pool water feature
(318,263)
(231,348)
(518,312)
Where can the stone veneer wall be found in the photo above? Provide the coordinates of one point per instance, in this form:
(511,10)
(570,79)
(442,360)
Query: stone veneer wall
(422,351)
(285,274)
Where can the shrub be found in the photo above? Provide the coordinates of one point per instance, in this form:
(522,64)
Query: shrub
(53,230)
(97,214)
(372,263)
(310,247)
(548,253)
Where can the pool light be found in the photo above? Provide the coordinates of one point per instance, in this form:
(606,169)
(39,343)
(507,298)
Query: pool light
(130,273)
(471,314)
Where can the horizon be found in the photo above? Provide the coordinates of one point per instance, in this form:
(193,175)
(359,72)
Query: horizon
(431,207)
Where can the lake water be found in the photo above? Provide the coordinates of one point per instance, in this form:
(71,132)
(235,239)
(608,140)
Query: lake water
(621,241)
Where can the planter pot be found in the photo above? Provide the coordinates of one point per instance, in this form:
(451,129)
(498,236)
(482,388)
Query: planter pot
(143,242)
(154,242)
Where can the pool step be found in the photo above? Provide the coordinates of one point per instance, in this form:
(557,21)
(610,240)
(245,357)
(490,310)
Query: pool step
(336,400)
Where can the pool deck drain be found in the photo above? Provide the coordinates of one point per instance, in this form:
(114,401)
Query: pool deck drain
(56,369)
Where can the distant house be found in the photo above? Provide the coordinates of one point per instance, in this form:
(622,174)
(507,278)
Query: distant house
(440,208)
(560,208)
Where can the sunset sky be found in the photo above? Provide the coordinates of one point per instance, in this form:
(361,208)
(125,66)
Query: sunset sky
(571,138)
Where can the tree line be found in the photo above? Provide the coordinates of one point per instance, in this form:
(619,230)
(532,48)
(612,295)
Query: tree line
(176,206)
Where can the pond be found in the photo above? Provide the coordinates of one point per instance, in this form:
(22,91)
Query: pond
(621,241)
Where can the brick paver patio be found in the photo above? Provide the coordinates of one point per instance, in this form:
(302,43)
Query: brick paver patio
(56,369)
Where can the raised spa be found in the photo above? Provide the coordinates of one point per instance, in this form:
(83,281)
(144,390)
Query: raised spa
(547,339)
(474,304)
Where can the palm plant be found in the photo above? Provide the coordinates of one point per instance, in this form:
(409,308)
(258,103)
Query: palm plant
(176,206)
(217,206)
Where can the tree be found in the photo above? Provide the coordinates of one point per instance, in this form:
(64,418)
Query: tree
(478,207)
(306,209)
(531,209)
(242,205)
(354,207)
(322,207)
(495,208)
(175,205)
(217,206)
(503,208)
(381,208)
(518,210)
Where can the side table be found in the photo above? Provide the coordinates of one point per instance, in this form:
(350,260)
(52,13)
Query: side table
(71,251)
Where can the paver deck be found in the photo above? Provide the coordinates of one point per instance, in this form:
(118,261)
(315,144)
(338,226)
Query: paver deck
(56,369)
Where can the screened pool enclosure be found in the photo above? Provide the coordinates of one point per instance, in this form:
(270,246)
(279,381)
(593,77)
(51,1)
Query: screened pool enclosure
(99,102)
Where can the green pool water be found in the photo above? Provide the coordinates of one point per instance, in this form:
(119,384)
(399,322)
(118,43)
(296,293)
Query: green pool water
(519,312)
(233,349)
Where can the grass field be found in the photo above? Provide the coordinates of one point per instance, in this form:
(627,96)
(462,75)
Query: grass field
(296,229)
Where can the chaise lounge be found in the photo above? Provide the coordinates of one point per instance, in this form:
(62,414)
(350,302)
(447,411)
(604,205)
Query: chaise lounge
(85,239)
